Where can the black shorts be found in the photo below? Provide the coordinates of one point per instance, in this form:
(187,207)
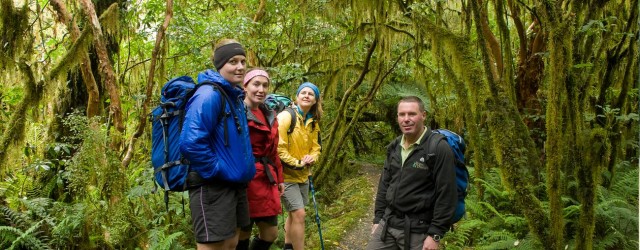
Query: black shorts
(217,210)
(271,220)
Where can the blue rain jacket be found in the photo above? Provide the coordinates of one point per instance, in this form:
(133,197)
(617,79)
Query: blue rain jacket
(202,140)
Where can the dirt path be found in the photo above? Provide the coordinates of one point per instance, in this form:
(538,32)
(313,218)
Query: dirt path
(358,237)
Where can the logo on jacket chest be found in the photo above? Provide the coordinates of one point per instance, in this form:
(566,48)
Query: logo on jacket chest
(420,164)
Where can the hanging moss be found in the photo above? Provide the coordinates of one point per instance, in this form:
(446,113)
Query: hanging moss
(74,55)
(16,126)
(109,21)
(13,23)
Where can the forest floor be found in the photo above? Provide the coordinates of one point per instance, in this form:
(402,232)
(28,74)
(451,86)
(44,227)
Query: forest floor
(358,237)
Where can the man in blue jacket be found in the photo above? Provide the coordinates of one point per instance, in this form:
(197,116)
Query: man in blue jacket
(417,192)
(215,141)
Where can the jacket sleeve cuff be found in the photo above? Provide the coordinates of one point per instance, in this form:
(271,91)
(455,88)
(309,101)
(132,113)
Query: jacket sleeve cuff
(376,220)
(434,230)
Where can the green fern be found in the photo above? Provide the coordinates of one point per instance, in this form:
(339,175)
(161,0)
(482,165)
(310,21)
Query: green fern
(499,240)
(69,228)
(616,213)
(158,240)
(8,235)
(627,184)
(529,242)
(14,218)
(30,239)
(168,243)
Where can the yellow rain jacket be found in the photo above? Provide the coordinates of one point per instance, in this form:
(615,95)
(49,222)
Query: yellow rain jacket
(292,147)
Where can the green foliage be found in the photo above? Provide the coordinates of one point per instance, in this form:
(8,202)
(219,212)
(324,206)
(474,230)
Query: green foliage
(493,223)
(13,21)
(20,231)
(161,242)
(73,193)
(617,214)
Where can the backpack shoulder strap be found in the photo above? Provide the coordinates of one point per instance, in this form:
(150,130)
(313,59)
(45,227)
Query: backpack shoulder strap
(432,143)
(294,119)
(222,114)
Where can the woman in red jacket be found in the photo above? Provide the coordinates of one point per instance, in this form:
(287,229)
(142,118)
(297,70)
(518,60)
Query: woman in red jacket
(267,185)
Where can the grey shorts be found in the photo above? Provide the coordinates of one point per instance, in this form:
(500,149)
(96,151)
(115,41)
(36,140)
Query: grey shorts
(296,195)
(217,210)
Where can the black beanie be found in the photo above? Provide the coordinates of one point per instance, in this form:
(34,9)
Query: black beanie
(225,52)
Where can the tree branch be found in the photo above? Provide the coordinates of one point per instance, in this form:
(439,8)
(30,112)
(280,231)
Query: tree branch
(145,106)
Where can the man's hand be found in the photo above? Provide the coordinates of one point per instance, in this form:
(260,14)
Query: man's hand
(373,228)
(430,244)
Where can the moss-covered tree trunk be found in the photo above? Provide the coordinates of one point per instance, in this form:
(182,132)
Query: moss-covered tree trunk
(14,131)
(512,145)
(555,145)
(106,70)
(93,102)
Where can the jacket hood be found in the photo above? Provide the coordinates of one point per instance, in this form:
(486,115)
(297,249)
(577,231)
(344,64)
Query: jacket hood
(214,76)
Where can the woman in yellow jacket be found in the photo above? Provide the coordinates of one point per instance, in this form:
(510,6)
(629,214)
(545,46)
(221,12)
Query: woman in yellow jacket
(299,150)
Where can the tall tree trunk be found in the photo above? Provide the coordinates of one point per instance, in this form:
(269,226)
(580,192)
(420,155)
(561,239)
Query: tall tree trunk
(93,102)
(252,57)
(106,70)
(492,45)
(150,83)
(556,143)
(520,151)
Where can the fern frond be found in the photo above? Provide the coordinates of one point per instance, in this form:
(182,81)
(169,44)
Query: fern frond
(626,184)
(609,240)
(168,242)
(9,234)
(492,209)
(14,218)
(29,240)
(530,242)
(37,206)
(503,244)
(515,221)
(476,209)
(491,190)
(70,225)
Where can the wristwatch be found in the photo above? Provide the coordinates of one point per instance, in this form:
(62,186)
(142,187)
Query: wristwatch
(436,237)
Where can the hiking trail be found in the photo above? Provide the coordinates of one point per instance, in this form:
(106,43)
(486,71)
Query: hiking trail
(358,236)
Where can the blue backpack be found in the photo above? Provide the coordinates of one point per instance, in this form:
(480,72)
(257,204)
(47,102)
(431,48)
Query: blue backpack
(462,174)
(170,168)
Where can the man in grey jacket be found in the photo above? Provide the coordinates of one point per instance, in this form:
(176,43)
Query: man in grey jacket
(417,194)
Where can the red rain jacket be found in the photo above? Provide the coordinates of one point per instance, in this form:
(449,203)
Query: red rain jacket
(262,193)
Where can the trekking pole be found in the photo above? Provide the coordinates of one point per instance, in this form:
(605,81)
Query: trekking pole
(313,195)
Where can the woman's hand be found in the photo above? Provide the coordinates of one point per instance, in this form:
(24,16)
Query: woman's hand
(307,160)
(281,188)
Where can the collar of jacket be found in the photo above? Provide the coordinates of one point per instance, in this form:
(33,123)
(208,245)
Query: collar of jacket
(233,90)
(309,115)
(396,142)
(268,114)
